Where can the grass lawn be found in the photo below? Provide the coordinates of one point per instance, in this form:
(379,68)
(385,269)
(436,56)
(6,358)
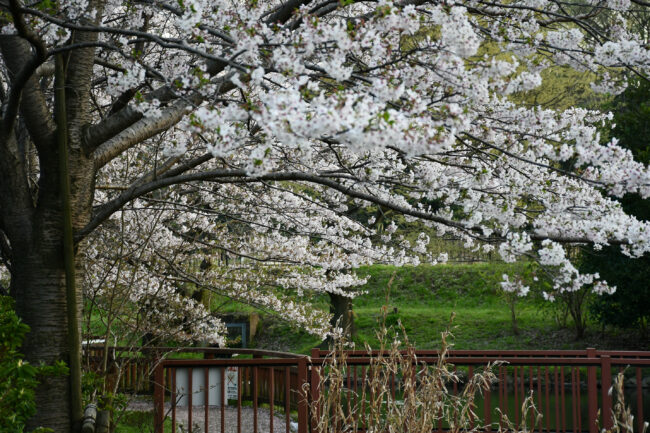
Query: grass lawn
(423,298)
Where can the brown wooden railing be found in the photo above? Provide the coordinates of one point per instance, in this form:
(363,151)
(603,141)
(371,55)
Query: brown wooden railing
(569,388)
(133,368)
(587,375)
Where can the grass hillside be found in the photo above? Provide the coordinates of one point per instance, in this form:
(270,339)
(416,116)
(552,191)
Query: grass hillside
(423,298)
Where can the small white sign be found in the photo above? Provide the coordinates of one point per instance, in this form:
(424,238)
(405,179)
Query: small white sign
(232,381)
(198,386)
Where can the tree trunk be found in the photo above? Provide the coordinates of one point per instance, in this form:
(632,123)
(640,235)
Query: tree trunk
(513,315)
(38,286)
(39,289)
(341,307)
(32,218)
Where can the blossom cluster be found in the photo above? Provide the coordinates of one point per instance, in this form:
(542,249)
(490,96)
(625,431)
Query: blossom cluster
(515,287)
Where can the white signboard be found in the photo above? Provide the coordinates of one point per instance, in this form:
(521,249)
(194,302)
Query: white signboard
(198,386)
(232,381)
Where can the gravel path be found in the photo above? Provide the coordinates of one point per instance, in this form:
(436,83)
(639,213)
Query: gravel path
(214,419)
(230,420)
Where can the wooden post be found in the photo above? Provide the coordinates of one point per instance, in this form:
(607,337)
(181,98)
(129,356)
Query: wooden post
(315,386)
(303,397)
(592,390)
(606,385)
(639,400)
(103,421)
(254,379)
(159,397)
(89,419)
(74,339)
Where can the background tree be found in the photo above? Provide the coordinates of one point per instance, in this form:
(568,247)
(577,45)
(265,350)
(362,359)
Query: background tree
(248,127)
(627,307)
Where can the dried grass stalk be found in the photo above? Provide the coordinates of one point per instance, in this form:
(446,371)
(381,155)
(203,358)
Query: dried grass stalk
(397,392)
(622,418)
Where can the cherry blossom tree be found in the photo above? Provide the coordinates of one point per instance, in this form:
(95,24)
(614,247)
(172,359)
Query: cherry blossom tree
(260,129)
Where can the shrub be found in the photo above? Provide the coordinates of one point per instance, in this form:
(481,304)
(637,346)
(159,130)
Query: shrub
(18,379)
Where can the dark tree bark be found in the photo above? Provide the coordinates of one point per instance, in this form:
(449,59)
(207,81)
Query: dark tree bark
(38,285)
(38,281)
(32,219)
(341,308)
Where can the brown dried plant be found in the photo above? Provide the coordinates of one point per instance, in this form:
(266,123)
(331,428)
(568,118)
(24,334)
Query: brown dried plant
(622,418)
(395,392)
(528,411)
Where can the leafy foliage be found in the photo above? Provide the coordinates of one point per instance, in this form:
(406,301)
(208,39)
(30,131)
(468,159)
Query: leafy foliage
(627,307)
(18,378)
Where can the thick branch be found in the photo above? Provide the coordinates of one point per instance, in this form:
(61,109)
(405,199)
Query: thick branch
(108,128)
(32,102)
(78,75)
(23,70)
(285,11)
(28,67)
(117,123)
(239,176)
(139,131)
(17,208)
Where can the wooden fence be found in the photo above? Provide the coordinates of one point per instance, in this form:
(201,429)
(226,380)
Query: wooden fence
(133,368)
(570,388)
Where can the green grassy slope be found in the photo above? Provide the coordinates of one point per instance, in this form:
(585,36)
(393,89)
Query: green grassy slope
(423,298)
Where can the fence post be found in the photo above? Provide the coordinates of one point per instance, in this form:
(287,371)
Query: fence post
(606,384)
(592,392)
(112,371)
(303,397)
(254,379)
(315,386)
(159,397)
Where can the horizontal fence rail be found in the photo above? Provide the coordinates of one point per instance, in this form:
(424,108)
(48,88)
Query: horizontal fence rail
(130,369)
(571,389)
